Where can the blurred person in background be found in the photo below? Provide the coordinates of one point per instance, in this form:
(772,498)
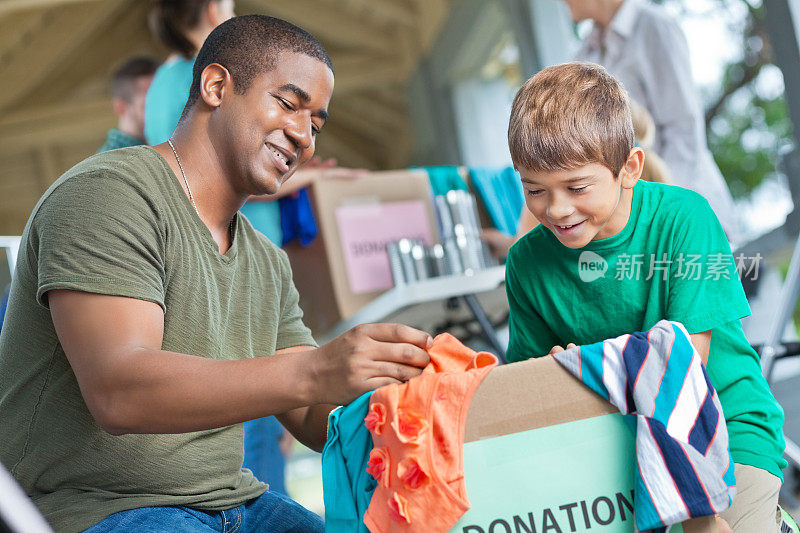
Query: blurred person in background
(181,26)
(128,89)
(644,48)
(655,169)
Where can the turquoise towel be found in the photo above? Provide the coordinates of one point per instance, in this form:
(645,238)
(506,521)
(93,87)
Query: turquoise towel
(502,195)
(445,178)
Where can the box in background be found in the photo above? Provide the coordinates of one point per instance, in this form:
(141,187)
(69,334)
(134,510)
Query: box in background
(542,452)
(320,270)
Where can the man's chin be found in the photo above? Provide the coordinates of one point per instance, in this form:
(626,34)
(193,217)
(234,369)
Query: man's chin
(271,183)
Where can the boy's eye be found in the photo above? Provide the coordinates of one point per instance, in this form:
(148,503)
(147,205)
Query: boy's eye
(534,192)
(579,189)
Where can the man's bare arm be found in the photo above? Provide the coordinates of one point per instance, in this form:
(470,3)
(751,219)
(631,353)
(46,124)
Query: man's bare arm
(131,385)
(309,424)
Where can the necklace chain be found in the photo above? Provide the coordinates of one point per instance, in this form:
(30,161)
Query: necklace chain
(189,189)
(180,166)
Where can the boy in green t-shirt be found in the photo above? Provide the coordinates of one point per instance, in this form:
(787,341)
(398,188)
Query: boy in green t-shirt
(614,255)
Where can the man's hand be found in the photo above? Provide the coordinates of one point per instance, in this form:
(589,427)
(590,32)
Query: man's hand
(556,349)
(367,357)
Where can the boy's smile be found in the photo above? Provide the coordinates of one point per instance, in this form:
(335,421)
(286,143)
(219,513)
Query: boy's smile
(582,204)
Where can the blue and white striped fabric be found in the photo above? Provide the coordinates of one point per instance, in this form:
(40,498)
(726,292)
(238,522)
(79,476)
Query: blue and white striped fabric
(657,380)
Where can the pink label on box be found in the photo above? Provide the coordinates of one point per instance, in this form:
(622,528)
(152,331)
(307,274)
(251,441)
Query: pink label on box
(365,230)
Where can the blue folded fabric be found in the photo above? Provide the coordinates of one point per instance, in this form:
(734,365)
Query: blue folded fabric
(445,178)
(502,195)
(347,487)
(297,219)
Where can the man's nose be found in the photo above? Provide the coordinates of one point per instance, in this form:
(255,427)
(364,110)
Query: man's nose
(299,130)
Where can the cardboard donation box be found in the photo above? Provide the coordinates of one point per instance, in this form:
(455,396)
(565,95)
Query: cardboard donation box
(346,266)
(545,454)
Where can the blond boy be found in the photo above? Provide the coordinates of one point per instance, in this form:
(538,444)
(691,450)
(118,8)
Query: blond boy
(659,253)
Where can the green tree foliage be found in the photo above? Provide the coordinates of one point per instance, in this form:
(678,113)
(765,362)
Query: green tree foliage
(747,119)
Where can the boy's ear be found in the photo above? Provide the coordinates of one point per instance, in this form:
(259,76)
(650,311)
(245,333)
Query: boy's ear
(632,169)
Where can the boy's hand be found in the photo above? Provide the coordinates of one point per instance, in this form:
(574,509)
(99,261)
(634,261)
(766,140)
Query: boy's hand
(556,349)
(722,525)
(367,357)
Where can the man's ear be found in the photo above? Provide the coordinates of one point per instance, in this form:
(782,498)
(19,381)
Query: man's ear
(632,169)
(215,83)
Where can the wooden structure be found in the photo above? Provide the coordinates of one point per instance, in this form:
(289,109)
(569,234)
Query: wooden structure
(56,57)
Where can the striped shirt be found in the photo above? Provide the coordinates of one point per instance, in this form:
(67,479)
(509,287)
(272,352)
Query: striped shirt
(657,380)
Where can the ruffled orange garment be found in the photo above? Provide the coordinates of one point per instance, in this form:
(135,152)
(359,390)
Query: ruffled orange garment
(418,435)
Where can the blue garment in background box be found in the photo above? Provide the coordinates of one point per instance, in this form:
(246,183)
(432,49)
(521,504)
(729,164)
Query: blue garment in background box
(297,218)
(501,192)
(347,487)
(445,178)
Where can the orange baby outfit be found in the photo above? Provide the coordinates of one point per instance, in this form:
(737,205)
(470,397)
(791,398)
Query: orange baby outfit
(418,432)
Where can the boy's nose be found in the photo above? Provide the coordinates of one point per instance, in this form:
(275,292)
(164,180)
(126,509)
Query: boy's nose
(559,210)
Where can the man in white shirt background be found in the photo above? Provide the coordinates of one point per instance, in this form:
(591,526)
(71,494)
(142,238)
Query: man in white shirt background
(644,48)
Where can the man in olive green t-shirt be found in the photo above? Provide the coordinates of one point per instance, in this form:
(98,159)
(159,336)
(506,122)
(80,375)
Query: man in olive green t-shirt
(148,320)
(615,255)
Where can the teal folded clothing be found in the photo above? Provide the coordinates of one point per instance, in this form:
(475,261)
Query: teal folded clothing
(347,487)
(445,178)
(502,195)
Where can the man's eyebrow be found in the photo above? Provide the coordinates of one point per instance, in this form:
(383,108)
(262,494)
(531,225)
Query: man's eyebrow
(302,95)
(291,87)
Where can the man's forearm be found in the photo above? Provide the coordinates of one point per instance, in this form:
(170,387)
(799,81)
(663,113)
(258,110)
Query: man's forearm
(155,391)
(309,425)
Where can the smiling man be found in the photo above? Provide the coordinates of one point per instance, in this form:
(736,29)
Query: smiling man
(148,319)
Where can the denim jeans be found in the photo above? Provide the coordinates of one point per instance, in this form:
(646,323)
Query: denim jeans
(269,513)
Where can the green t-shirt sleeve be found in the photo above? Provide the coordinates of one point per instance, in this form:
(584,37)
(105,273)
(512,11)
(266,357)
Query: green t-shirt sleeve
(291,331)
(96,233)
(705,291)
(529,334)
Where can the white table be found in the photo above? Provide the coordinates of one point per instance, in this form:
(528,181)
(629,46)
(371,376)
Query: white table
(465,287)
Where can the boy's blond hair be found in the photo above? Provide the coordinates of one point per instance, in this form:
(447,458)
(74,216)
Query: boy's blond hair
(570,115)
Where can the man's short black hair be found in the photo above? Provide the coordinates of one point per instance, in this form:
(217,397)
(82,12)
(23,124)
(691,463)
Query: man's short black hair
(127,73)
(249,45)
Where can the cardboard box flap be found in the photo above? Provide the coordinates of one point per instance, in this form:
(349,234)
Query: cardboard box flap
(529,395)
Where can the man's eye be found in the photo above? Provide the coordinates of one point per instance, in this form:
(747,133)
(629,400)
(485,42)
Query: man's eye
(285,103)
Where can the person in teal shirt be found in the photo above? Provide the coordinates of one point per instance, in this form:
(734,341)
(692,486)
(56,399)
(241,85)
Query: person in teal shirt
(613,255)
